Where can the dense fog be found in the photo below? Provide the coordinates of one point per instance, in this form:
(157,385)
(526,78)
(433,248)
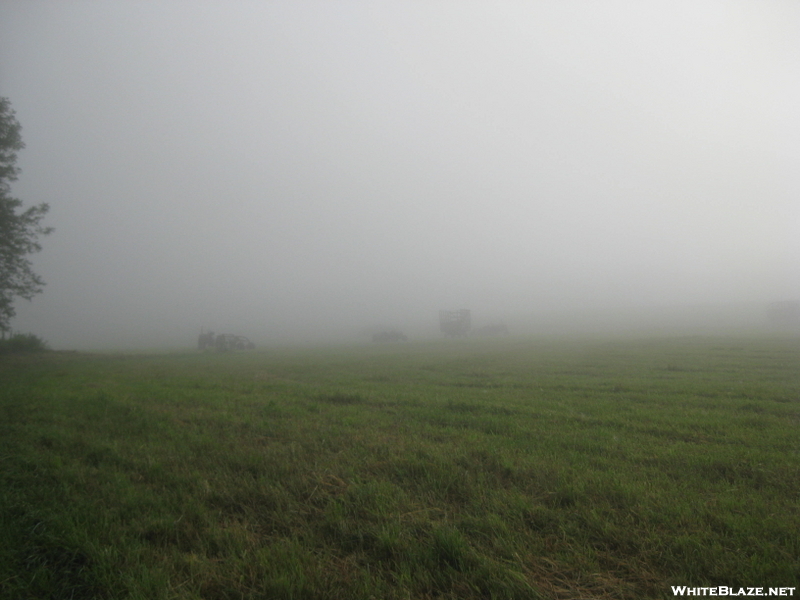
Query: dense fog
(309,171)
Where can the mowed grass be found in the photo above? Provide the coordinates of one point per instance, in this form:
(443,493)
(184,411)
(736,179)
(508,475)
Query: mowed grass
(452,469)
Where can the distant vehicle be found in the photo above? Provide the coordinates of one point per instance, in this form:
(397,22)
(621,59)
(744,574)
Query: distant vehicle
(223,342)
(454,323)
(205,340)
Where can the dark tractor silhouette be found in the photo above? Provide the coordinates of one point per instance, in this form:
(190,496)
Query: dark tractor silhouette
(223,342)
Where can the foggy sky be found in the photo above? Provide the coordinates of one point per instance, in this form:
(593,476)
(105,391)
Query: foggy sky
(291,169)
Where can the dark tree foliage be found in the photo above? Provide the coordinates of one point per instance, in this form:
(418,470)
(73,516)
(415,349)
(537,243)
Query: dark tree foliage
(19,231)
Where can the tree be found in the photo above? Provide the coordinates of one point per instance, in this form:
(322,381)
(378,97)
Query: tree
(19,231)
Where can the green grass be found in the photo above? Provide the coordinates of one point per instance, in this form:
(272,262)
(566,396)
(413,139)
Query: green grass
(462,469)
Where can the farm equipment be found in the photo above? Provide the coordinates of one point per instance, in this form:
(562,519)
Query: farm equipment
(454,323)
(223,342)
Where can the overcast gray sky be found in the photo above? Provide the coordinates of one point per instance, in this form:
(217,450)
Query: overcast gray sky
(259,167)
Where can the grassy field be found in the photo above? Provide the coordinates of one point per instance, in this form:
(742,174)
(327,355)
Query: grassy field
(451,469)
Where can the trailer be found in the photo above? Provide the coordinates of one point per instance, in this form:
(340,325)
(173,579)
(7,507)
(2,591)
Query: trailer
(455,323)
